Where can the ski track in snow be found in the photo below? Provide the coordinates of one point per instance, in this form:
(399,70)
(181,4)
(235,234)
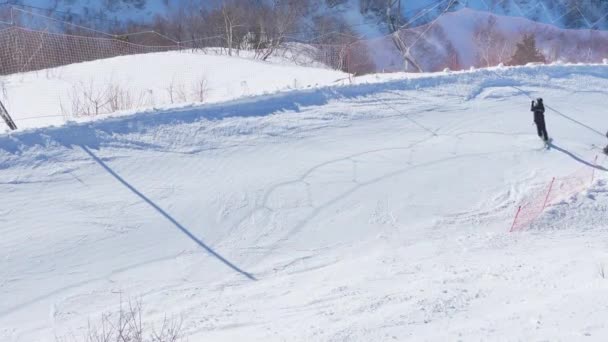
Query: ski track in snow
(377,211)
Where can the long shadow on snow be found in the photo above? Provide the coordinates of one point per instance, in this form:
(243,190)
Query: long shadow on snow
(577,158)
(167,216)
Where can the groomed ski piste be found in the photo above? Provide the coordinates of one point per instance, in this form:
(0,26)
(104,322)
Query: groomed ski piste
(374,211)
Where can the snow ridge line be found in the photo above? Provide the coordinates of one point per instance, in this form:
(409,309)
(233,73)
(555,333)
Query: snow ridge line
(105,130)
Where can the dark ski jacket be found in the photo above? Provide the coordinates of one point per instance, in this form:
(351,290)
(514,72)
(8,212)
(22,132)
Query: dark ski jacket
(539,111)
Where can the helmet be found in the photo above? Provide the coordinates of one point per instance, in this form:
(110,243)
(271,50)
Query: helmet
(539,99)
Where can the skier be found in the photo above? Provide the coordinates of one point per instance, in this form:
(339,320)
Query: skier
(539,119)
(606,148)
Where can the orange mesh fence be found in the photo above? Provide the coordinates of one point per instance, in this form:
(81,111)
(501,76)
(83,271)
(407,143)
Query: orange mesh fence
(558,189)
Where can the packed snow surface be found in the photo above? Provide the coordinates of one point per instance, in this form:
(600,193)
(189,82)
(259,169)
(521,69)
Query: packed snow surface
(371,212)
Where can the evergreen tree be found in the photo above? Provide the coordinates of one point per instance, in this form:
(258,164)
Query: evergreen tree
(526,52)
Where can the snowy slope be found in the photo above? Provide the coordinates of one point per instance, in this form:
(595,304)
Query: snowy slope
(149,81)
(367,212)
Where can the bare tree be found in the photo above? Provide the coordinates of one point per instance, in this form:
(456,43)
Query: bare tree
(233,17)
(276,23)
(201,88)
(493,46)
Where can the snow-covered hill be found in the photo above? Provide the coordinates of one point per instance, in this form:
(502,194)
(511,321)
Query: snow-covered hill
(365,212)
(127,84)
(469,38)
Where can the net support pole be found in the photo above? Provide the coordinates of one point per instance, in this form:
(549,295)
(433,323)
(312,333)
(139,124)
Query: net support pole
(515,219)
(548,193)
(7,118)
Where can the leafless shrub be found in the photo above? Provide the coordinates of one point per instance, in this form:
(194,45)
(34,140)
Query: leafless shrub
(118,98)
(493,47)
(170,331)
(90,99)
(196,92)
(181,93)
(177,92)
(127,325)
(147,98)
(201,88)
(171,91)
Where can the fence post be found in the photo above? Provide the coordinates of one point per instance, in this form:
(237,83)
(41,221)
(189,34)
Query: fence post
(548,193)
(515,219)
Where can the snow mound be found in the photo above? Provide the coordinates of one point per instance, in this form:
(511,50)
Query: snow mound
(128,84)
(584,211)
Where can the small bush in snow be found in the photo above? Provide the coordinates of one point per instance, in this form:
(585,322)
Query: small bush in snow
(91,99)
(127,325)
(201,88)
(180,92)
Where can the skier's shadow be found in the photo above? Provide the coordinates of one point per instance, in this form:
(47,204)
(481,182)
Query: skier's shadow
(577,158)
(167,216)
